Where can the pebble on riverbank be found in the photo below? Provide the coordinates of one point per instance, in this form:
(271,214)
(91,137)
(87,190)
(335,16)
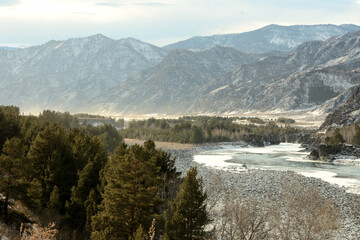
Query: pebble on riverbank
(266,184)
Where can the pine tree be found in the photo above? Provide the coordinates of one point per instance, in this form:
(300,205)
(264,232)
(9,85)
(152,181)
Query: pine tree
(130,181)
(11,172)
(54,201)
(90,151)
(9,123)
(188,216)
(140,234)
(52,163)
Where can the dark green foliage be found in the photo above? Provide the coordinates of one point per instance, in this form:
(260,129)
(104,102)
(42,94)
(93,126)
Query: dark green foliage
(11,173)
(51,163)
(140,234)
(256,120)
(85,195)
(196,135)
(54,201)
(204,129)
(30,127)
(188,216)
(9,123)
(132,183)
(129,194)
(286,120)
(107,133)
(356,138)
(64,119)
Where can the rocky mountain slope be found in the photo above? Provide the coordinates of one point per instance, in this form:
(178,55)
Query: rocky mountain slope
(187,82)
(346,113)
(269,38)
(100,75)
(173,85)
(63,75)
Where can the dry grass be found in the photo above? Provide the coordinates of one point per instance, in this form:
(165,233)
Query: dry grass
(36,232)
(9,232)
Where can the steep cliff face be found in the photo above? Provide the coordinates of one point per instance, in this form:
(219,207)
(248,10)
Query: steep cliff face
(347,113)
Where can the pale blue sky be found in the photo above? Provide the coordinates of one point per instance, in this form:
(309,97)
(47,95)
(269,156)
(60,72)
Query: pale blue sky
(160,21)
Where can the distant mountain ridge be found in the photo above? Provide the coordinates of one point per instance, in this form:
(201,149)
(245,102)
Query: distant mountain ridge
(269,38)
(63,75)
(315,72)
(97,74)
(8,48)
(169,86)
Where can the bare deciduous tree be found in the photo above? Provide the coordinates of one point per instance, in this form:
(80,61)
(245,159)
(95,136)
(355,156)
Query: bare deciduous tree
(37,232)
(304,215)
(244,220)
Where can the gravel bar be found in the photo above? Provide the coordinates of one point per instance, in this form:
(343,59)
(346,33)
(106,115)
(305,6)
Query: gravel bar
(266,184)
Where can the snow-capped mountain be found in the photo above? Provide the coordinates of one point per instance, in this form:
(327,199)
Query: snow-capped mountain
(193,82)
(63,75)
(310,75)
(172,85)
(269,38)
(101,75)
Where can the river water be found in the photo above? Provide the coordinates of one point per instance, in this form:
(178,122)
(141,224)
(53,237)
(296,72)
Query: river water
(286,156)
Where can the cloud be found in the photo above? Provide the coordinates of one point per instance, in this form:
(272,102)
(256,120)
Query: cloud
(144,4)
(109,4)
(152,4)
(9,2)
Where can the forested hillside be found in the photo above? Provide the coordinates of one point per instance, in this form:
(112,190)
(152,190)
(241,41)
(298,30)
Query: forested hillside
(86,181)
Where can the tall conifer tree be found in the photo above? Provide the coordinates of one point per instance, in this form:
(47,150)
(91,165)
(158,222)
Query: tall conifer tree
(188,216)
(129,196)
(11,172)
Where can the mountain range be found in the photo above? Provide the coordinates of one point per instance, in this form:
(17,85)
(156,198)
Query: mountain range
(63,75)
(269,38)
(101,75)
(194,82)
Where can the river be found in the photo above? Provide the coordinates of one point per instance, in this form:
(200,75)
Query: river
(283,157)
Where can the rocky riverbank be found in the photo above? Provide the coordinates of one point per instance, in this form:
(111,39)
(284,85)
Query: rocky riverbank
(268,184)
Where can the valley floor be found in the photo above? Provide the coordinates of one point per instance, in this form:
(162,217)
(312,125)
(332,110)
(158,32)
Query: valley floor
(267,184)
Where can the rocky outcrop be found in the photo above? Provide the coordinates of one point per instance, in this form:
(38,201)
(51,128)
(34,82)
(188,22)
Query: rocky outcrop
(328,153)
(347,113)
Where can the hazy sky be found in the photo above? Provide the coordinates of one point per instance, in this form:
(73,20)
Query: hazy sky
(160,21)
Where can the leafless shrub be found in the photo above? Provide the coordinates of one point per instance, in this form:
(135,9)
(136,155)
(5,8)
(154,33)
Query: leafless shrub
(37,232)
(152,230)
(304,215)
(244,220)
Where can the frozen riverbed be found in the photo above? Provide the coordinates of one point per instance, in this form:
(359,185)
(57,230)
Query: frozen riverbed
(285,156)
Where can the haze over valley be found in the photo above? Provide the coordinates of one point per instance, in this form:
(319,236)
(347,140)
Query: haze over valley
(100,75)
(179,120)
